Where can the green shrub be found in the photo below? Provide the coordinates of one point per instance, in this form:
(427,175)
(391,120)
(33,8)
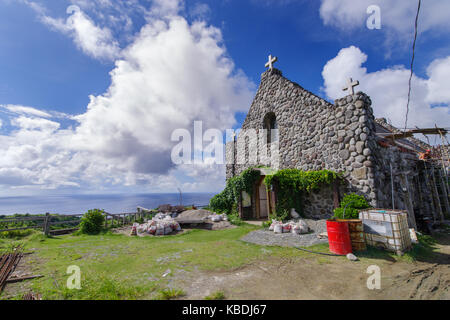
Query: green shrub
(266,224)
(16,234)
(92,222)
(235,219)
(140,220)
(354,204)
(281,215)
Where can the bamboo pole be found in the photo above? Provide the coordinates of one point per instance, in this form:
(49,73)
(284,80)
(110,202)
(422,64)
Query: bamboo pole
(411,216)
(436,193)
(392,187)
(445,193)
(430,189)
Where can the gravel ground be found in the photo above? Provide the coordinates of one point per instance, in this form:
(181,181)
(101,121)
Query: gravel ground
(194,214)
(269,238)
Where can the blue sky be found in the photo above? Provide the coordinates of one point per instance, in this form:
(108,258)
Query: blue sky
(108,73)
(42,68)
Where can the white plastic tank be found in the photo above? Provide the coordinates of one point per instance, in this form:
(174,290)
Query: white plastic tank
(387,229)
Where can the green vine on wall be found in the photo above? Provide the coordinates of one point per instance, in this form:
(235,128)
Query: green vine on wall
(227,200)
(290,184)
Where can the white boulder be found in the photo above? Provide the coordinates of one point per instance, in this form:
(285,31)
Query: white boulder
(294,214)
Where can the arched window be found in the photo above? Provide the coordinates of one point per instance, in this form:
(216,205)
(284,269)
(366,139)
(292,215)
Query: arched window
(270,123)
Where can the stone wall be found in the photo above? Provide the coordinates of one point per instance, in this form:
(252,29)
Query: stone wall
(318,204)
(408,188)
(315,134)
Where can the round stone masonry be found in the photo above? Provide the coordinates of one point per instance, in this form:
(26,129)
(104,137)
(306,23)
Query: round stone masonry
(317,134)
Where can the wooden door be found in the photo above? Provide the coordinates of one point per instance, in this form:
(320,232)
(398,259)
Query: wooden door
(263,204)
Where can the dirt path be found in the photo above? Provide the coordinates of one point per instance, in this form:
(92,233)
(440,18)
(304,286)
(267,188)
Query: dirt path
(429,279)
(319,277)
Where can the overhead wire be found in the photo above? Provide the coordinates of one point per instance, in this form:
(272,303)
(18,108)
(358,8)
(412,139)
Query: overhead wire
(416,24)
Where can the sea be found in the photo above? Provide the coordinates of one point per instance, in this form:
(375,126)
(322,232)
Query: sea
(112,203)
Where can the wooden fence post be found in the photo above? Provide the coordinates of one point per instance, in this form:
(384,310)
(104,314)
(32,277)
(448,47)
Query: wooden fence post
(47,224)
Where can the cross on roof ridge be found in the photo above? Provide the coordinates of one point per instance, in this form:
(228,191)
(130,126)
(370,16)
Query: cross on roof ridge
(351,86)
(271,61)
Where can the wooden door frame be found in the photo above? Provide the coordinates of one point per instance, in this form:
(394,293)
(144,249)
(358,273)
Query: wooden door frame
(257,199)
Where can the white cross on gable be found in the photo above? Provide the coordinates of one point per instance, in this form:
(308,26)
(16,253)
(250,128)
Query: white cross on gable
(271,62)
(351,86)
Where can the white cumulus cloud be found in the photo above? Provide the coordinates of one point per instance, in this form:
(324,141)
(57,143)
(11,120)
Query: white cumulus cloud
(172,74)
(388,88)
(24,110)
(200,11)
(35,124)
(395,15)
(93,40)
(439,79)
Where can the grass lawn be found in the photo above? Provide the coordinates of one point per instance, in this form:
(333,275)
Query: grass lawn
(115,266)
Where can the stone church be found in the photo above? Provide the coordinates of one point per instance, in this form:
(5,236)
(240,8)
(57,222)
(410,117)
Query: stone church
(377,160)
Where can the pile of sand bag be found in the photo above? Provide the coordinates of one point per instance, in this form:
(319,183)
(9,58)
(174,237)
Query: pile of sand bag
(218,217)
(295,227)
(160,225)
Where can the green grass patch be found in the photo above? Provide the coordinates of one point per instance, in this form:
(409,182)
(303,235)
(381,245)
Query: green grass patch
(97,287)
(323,260)
(422,250)
(169,294)
(419,252)
(115,266)
(17,234)
(218,295)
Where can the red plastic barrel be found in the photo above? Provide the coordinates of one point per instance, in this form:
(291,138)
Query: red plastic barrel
(339,237)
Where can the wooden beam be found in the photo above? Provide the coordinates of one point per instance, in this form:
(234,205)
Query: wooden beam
(11,280)
(410,133)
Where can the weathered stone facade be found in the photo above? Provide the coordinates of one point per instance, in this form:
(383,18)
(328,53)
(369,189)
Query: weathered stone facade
(315,134)
(403,182)
(318,204)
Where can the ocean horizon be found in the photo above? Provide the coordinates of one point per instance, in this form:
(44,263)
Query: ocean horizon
(112,203)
